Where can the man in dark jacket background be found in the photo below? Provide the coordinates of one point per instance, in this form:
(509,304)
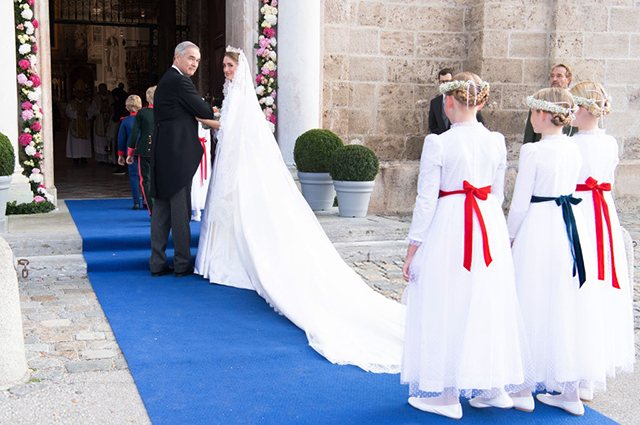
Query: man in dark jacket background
(175,156)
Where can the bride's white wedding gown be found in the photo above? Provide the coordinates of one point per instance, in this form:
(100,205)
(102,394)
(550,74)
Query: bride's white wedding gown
(259,233)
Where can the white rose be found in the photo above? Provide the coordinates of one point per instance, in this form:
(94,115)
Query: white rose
(33,59)
(42,190)
(273,42)
(268,101)
(273,55)
(30,150)
(272,19)
(27,14)
(24,49)
(260,90)
(38,115)
(33,96)
(270,66)
(36,178)
(28,27)
(271,80)
(262,100)
(49,197)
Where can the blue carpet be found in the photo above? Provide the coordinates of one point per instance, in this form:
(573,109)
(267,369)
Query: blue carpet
(208,354)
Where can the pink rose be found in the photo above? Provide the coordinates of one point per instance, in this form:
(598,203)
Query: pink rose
(265,70)
(274,3)
(22,79)
(258,78)
(27,105)
(269,32)
(42,186)
(35,23)
(35,48)
(29,83)
(272,73)
(20,27)
(272,118)
(35,171)
(24,139)
(24,64)
(36,80)
(30,2)
(38,198)
(260,51)
(37,155)
(27,114)
(273,94)
(36,126)
(264,42)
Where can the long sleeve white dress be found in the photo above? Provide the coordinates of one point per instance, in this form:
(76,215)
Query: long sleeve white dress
(599,153)
(464,329)
(564,325)
(259,233)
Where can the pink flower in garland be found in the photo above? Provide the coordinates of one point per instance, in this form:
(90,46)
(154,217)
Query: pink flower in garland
(27,105)
(24,139)
(264,42)
(36,80)
(27,114)
(36,126)
(37,155)
(30,2)
(265,70)
(20,27)
(274,3)
(272,73)
(272,118)
(35,23)
(24,64)
(35,171)
(38,198)
(269,32)
(35,48)
(22,79)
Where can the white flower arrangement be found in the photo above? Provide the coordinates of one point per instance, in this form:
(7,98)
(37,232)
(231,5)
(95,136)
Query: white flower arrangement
(583,101)
(30,150)
(458,84)
(545,105)
(24,49)
(267,57)
(27,13)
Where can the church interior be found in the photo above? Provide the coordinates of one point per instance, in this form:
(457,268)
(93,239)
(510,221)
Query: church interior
(128,43)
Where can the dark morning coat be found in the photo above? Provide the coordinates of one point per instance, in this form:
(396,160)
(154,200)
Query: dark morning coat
(143,126)
(176,150)
(437,124)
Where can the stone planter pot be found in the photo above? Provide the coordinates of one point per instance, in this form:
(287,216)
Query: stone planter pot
(5,182)
(317,189)
(353,197)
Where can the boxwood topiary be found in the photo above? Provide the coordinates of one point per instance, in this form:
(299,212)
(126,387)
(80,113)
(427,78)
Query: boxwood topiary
(7,157)
(354,163)
(313,149)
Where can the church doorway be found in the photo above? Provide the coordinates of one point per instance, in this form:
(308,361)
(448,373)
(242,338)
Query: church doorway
(126,43)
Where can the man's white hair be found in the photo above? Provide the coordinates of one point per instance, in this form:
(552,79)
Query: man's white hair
(182,47)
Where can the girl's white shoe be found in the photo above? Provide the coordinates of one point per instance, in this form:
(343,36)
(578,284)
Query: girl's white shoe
(453,411)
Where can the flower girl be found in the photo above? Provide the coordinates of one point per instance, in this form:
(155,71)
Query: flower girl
(549,241)
(464,333)
(599,153)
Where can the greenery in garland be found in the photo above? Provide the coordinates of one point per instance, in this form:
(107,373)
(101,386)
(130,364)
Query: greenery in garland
(313,150)
(7,157)
(29,208)
(355,163)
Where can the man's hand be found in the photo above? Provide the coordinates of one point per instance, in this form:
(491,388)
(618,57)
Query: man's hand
(121,160)
(130,160)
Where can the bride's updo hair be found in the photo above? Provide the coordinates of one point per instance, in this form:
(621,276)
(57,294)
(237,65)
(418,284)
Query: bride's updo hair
(592,97)
(233,56)
(558,102)
(473,95)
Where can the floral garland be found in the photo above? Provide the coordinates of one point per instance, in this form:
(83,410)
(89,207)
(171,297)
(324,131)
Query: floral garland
(265,51)
(29,94)
(545,105)
(459,84)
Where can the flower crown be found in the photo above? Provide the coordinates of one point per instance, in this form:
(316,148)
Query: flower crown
(458,84)
(233,49)
(545,105)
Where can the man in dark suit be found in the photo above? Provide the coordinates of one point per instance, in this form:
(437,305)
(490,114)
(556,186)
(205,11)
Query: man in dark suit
(175,156)
(438,120)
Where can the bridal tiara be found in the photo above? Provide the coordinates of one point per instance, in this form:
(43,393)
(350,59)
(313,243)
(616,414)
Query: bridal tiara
(233,49)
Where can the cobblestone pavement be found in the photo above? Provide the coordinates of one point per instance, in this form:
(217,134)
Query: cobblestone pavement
(67,333)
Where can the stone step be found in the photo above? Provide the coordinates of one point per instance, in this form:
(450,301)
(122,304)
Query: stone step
(72,265)
(43,244)
(365,229)
(372,250)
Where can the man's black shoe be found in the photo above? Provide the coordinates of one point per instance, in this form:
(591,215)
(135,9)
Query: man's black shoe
(164,271)
(185,273)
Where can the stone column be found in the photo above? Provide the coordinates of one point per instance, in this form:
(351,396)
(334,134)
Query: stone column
(44,69)
(299,71)
(13,361)
(242,27)
(20,189)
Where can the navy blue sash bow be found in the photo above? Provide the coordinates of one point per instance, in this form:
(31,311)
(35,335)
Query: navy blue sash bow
(566,202)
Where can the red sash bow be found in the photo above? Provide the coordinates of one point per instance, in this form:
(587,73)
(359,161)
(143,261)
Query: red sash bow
(471,205)
(601,209)
(203,161)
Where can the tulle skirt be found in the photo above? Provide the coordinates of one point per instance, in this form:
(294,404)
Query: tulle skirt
(464,329)
(565,324)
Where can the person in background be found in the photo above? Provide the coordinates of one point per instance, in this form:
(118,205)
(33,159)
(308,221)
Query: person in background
(133,104)
(438,120)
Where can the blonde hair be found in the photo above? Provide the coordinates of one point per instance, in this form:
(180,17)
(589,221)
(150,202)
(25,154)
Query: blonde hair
(133,103)
(470,96)
(151,92)
(597,102)
(233,56)
(561,98)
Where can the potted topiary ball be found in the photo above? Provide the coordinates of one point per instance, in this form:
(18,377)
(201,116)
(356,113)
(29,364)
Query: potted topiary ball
(353,169)
(7,165)
(311,153)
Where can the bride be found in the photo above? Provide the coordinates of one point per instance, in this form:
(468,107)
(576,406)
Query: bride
(259,233)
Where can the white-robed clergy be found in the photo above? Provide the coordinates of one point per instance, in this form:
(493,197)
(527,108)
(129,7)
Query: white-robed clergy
(79,134)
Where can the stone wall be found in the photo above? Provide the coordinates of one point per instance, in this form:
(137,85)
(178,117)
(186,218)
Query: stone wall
(381,60)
